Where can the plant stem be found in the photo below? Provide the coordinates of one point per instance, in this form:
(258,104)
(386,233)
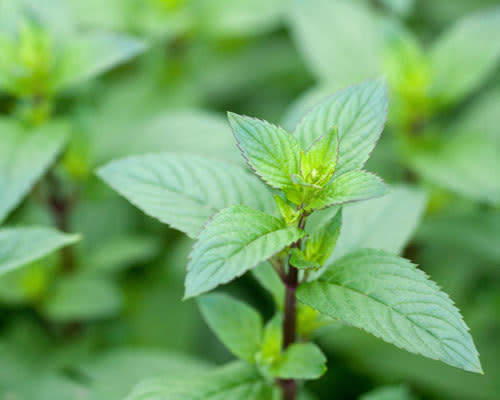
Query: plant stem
(289,386)
(291,281)
(60,208)
(290,307)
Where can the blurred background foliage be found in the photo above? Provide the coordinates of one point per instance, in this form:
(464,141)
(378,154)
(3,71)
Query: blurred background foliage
(85,81)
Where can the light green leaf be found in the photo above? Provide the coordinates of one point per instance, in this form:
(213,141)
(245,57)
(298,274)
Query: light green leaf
(465,164)
(309,321)
(235,240)
(271,151)
(389,297)
(386,223)
(270,280)
(318,25)
(20,246)
(406,66)
(352,186)
(236,324)
(318,164)
(300,361)
(322,240)
(233,381)
(465,55)
(184,191)
(359,112)
(77,298)
(272,341)
(289,213)
(400,392)
(299,260)
(92,54)
(24,158)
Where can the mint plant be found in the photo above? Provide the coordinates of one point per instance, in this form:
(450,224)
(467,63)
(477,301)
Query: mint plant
(274,226)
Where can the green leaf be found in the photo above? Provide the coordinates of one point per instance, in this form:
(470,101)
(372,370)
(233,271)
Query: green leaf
(184,191)
(239,18)
(288,213)
(235,240)
(236,324)
(272,341)
(92,54)
(318,164)
(359,112)
(322,240)
(466,164)
(354,57)
(25,155)
(120,252)
(465,56)
(389,297)
(352,186)
(300,361)
(309,320)
(79,297)
(402,8)
(481,117)
(386,223)
(299,260)
(400,392)
(270,280)
(132,106)
(20,246)
(233,381)
(272,152)
(406,66)
(112,374)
